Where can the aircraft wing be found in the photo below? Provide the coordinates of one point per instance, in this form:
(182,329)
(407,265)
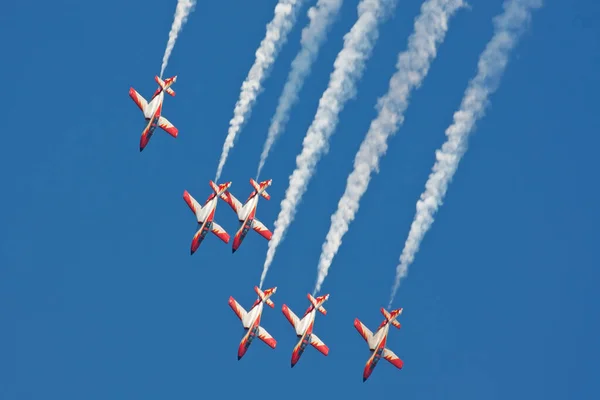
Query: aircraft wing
(230,199)
(138,99)
(237,309)
(392,358)
(167,126)
(289,314)
(220,232)
(318,344)
(364,331)
(191,202)
(261,229)
(265,337)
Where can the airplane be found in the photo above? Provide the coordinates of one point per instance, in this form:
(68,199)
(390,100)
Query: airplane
(378,340)
(304,327)
(205,215)
(152,111)
(251,320)
(246,213)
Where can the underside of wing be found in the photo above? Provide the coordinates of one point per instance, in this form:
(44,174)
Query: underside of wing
(289,314)
(364,331)
(261,229)
(167,126)
(220,232)
(237,309)
(230,199)
(265,337)
(392,358)
(138,99)
(318,344)
(192,203)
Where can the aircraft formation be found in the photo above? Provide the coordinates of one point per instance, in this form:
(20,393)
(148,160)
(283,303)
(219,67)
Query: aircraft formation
(246,214)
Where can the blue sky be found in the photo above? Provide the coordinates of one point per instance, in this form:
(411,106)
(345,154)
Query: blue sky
(101,299)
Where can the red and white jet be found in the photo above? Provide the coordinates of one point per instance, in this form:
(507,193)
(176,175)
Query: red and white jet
(205,215)
(246,213)
(304,327)
(152,111)
(378,340)
(251,320)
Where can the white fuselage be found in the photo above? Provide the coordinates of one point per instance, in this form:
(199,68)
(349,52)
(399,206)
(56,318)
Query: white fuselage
(153,105)
(252,315)
(248,209)
(306,322)
(207,210)
(379,336)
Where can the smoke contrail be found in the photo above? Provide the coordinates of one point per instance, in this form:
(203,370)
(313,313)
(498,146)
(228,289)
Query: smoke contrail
(348,68)
(321,17)
(507,28)
(413,65)
(276,36)
(184,8)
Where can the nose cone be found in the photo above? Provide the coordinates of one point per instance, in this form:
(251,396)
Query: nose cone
(241,350)
(295,358)
(236,244)
(144,140)
(367,372)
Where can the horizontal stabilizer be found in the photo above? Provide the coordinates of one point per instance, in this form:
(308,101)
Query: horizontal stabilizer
(265,295)
(391,316)
(165,84)
(218,189)
(262,185)
(318,344)
(317,302)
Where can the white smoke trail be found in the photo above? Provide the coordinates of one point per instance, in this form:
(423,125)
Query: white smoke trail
(507,28)
(413,65)
(321,17)
(184,8)
(276,36)
(348,68)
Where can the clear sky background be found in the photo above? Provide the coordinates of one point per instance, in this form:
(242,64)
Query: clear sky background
(100,298)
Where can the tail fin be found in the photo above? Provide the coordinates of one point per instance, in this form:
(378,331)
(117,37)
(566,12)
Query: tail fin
(262,186)
(220,188)
(166,83)
(317,302)
(391,317)
(264,296)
